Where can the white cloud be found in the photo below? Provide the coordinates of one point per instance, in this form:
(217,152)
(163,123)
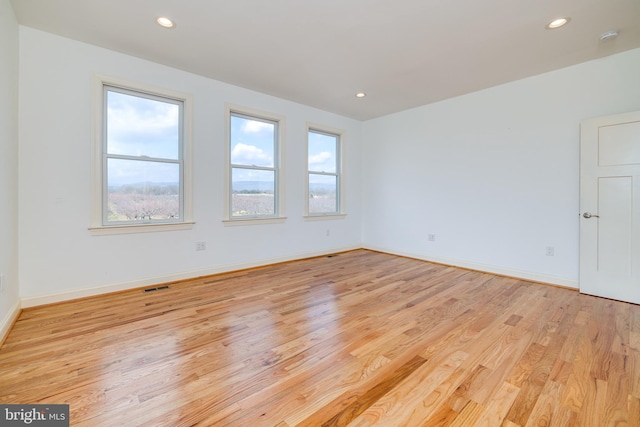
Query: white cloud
(319,158)
(322,161)
(139,126)
(143,115)
(243,154)
(255,126)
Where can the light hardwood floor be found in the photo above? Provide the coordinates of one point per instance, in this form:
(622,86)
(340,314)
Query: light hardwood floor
(360,338)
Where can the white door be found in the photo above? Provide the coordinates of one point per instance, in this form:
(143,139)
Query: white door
(610,207)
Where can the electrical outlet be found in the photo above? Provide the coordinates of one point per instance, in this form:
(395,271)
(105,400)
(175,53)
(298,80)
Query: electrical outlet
(201,246)
(1,282)
(550,251)
(431,237)
(328,232)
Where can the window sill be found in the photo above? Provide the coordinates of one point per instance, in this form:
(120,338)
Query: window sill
(320,217)
(254,221)
(143,228)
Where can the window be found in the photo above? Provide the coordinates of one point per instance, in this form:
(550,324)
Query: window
(324,167)
(143,162)
(253,166)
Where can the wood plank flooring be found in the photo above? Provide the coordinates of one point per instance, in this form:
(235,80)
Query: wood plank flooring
(360,339)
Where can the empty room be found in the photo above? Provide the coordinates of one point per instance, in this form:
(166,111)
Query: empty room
(299,213)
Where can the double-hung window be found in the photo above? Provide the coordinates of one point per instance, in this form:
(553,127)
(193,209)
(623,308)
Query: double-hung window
(143,159)
(254,191)
(324,172)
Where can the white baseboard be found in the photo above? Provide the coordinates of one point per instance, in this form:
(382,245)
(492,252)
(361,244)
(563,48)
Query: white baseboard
(37,300)
(9,320)
(500,271)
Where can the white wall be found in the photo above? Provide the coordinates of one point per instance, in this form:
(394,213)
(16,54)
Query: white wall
(59,258)
(9,301)
(493,174)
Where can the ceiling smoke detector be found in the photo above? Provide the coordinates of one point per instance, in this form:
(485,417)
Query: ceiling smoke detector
(609,35)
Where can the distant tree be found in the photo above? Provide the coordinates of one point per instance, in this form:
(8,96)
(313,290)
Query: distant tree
(136,203)
(252,204)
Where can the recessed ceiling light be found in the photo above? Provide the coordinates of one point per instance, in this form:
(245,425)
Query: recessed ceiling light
(557,23)
(360,95)
(165,22)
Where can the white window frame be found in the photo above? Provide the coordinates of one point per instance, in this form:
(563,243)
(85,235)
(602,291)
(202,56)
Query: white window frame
(99,154)
(279,188)
(340,173)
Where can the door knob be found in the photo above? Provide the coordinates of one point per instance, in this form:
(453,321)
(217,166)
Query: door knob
(588,215)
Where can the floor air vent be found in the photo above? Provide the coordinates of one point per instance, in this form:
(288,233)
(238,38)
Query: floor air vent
(159,288)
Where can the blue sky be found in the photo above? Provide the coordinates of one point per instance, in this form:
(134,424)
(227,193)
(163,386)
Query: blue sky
(252,142)
(322,152)
(142,127)
(139,126)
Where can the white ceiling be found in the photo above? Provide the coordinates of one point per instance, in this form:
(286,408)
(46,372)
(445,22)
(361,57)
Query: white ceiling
(402,53)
